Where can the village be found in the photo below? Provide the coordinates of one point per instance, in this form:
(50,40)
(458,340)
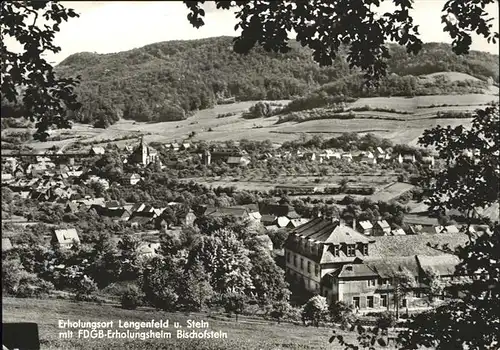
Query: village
(346,256)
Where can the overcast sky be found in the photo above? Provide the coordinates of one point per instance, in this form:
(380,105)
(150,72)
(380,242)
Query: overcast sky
(106,27)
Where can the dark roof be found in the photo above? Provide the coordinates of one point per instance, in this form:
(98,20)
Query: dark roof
(356,270)
(389,267)
(444,264)
(268,218)
(275,209)
(420,220)
(113,204)
(117,213)
(411,245)
(329,232)
(228,211)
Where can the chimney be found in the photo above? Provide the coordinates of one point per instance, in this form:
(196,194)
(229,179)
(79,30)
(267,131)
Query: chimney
(354,223)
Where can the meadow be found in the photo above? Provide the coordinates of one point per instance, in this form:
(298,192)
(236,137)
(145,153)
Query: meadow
(245,334)
(419,114)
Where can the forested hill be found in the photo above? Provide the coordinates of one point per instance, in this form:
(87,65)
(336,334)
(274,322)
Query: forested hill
(167,80)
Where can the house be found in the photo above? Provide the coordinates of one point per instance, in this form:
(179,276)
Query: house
(71,208)
(296,190)
(365,227)
(381,228)
(65,238)
(6,244)
(236,212)
(141,218)
(88,202)
(428,162)
(447,229)
(6,178)
(118,214)
(112,204)
(148,249)
(296,222)
(311,156)
(268,220)
(408,158)
(185,146)
(174,146)
(282,221)
(238,160)
(97,150)
(342,264)
(398,232)
(319,247)
(346,157)
(143,154)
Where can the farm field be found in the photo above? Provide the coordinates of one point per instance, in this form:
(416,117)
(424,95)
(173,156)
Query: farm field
(376,180)
(248,333)
(386,186)
(204,124)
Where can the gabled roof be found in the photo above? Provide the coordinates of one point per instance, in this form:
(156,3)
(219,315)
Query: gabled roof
(420,220)
(66,236)
(283,221)
(389,267)
(365,225)
(355,270)
(297,222)
(447,229)
(383,224)
(326,231)
(275,209)
(268,218)
(411,245)
(113,204)
(234,160)
(398,232)
(6,244)
(444,264)
(98,150)
(229,211)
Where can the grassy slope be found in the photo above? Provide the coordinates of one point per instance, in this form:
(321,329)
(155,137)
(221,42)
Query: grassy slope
(244,334)
(405,130)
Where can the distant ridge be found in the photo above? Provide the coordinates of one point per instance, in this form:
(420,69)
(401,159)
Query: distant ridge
(167,80)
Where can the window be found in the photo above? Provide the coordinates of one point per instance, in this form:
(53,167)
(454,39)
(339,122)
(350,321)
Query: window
(380,281)
(317,286)
(351,250)
(383,300)
(404,302)
(372,283)
(294,260)
(316,269)
(336,250)
(302,263)
(364,249)
(355,302)
(417,294)
(369,301)
(308,267)
(288,256)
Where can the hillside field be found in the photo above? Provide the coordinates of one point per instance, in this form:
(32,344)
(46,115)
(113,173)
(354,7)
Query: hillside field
(248,333)
(206,126)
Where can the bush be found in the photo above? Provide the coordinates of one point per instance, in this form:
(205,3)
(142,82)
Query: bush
(386,320)
(131,298)
(34,287)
